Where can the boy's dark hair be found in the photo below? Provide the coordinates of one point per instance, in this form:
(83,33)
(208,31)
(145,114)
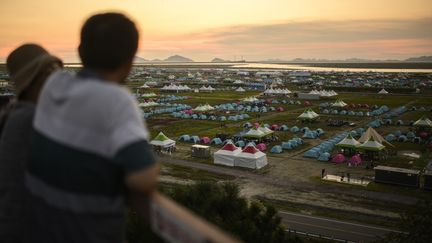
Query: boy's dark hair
(108,41)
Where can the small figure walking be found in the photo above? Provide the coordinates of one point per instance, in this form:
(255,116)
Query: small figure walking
(322,173)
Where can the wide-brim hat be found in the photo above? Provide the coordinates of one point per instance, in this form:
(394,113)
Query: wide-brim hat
(26,62)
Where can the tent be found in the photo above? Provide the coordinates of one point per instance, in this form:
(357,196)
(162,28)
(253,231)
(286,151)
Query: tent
(355,160)
(240,143)
(294,129)
(402,138)
(205,140)
(324,156)
(216,141)
(390,137)
(227,154)
(276,149)
(338,158)
(348,142)
(254,133)
(312,153)
(194,139)
(251,157)
(370,132)
(371,145)
(423,122)
(261,147)
(240,89)
(308,115)
(339,104)
(184,138)
(287,145)
(163,141)
(383,91)
(309,134)
(283,128)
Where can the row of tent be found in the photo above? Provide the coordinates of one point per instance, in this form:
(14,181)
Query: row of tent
(171,109)
(177,88)
(377,112)
(277,91)
(324,93)
(248,157)
(340,103)
(407,137)
(184,115)
(288,145)
(170,98)
(247,108)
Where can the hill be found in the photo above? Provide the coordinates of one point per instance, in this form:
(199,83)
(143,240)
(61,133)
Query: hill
(219,60)
(419,59)
(178,58)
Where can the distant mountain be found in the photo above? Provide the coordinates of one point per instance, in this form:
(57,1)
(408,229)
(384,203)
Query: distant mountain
(419,59)
(178,58)
(138,59)
(156,60)
(219,60)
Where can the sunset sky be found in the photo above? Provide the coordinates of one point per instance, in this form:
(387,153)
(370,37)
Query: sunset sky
(255,29)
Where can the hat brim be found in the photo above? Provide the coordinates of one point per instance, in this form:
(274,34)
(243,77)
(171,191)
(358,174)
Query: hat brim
(24,78)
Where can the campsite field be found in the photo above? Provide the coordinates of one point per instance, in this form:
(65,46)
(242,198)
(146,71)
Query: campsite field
(303,190)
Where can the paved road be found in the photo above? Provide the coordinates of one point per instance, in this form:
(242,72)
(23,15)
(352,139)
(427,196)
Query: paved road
(293,184)
(332,228)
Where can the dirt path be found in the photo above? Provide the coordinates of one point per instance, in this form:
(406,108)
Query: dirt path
(293,184)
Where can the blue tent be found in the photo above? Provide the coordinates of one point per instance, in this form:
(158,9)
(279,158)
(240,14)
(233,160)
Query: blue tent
(351,113)
(299,141)
(325,111)
(194,139)
(319,131)
(232,118)
(402,138)
(247,125)
(410,135)
(312,153)
(203,117)
(213,118)
(309,134)
(390,137)
(388,121)
(287,145)
(294,143)
(324,156)
(360,113)
(184,138)
(343,112)
(283,128)
(305,129)
(354,133)
(417,140)
(399,122)
(246,116)
(240,143)
(276,149)
(194,116)
(398,133)
(222,118)
(335,112)
(216,141)
(294,129)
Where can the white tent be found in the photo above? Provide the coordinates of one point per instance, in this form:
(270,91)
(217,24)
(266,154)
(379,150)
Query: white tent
(163,141)
(251,157)
(227,154)
(240,89)
(383,91)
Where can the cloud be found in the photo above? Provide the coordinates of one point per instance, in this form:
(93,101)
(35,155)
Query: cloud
(381,38)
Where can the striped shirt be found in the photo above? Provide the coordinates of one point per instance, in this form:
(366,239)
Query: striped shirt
(89,134)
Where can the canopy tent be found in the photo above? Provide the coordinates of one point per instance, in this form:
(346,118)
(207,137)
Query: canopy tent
(227,154)
(348,142)
(163,141)
(240,89)
(370,132)
(254,133)
(383,91)
(371,145)
(308,114)
(339,104)
(251,157)
(423,122)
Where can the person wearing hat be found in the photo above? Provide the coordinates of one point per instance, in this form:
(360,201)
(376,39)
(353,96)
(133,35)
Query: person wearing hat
(29,66)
